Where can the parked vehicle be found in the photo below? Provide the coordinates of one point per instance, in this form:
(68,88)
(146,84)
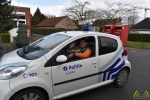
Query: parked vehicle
(42,71)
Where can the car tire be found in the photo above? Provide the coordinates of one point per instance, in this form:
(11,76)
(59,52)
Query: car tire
(121,78)
(29,94)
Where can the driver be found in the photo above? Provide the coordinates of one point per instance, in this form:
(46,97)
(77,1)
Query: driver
(83,51)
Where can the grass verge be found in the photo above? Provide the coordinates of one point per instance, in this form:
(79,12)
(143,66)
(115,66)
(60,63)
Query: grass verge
(138,45)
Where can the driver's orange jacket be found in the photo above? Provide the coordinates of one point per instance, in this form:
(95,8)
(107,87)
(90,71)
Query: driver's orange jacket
(85,54)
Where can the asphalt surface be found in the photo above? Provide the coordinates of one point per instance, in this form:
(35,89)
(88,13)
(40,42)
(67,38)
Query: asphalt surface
(139,79)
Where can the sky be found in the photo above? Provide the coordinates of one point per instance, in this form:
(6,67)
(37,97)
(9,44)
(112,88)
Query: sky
(54,7)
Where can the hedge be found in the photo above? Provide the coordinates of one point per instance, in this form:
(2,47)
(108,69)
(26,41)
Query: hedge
(139,37)
(46,31)
(5,37)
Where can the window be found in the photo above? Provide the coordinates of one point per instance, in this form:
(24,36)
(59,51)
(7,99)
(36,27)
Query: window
(21,22)
(90,46)
(19,17)
(22,17)
(42,46)
(107,45)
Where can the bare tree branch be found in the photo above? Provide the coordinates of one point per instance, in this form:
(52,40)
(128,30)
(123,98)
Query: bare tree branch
(77,9)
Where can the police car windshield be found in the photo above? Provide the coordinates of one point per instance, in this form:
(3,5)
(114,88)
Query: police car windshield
(42,46)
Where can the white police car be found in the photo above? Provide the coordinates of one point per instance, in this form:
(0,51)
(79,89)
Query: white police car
(41,71)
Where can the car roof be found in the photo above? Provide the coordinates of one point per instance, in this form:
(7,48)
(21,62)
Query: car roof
(80,33)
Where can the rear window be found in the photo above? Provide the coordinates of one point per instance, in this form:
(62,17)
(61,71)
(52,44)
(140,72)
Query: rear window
(107,45)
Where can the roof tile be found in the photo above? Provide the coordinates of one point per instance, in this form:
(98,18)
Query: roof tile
(144,24)
(51,22)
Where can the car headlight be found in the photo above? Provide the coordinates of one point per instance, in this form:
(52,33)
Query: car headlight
(11,72)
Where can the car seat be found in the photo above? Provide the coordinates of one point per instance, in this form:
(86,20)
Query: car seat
(91,45)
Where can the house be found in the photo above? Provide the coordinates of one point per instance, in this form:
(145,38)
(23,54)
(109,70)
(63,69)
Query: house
(143,27)
(22,15)
(101,23)
(63,22)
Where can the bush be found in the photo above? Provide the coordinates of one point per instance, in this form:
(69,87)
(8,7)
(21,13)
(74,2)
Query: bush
(46,31)
(5,38)
(139,37)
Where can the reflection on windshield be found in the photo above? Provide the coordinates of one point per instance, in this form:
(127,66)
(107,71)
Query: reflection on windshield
(42,46)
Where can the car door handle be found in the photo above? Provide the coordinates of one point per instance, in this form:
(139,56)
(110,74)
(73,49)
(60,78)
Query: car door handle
(94,62)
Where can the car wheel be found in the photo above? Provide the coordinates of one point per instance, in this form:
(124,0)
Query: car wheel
(30,94)
(121,77)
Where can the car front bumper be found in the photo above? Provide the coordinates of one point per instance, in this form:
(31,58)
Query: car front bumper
(5,91)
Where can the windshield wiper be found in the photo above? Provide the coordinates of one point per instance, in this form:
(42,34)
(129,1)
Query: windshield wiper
(21,52)
(25,49)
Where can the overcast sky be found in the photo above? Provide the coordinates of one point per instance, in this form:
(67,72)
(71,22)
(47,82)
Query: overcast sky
(54,7)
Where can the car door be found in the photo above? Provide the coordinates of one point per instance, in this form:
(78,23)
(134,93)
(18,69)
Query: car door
(110,57)
(70,76)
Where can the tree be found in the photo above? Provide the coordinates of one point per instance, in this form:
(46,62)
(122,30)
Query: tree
(117,10)
(37,17)
(22,38)
(132,19)
(50,16)
(80,11)
(6,15)
(30,15)
(77,10)
(114,13)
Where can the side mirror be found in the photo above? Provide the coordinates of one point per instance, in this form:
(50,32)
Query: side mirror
(61,58)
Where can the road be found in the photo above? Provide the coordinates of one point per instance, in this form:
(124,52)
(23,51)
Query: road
(139,79)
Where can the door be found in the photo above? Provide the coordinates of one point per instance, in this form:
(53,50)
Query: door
(75,74)
(110,57)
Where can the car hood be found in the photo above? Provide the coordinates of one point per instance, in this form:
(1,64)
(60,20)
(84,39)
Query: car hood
(12,59)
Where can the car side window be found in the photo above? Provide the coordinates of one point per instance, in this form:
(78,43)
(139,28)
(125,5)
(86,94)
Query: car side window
(79,49)
(107,45)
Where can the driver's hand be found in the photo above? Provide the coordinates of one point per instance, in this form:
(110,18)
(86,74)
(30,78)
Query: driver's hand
(70,55)
(74,51)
